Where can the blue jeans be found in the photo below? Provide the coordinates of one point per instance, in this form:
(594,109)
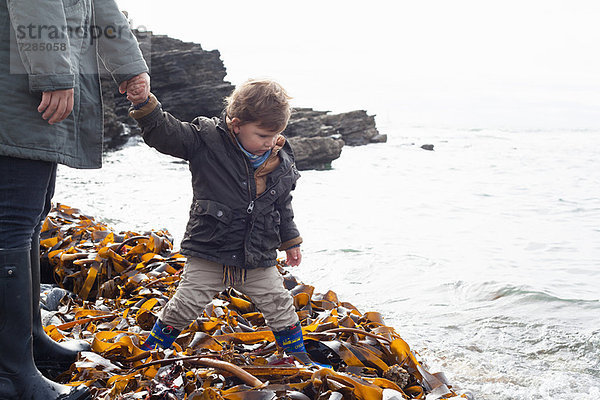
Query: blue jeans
(26,189)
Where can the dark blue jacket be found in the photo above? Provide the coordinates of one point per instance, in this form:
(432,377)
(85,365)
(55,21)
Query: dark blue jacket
(229,222)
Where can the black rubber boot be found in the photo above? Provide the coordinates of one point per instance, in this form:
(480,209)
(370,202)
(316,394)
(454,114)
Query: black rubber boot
(19,377)
(51,358)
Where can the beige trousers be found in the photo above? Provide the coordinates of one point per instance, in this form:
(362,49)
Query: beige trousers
(202,279)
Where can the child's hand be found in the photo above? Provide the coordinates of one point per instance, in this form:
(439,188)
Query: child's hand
(137,88)
(294,256)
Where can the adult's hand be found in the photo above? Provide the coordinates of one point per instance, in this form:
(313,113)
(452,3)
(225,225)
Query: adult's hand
(56,105)
(137,88)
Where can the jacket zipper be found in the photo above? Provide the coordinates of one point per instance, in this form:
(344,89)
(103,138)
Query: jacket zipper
(249,209)
(248,177)
(251,205)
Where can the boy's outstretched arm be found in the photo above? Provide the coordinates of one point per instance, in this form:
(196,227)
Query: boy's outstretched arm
(164,132)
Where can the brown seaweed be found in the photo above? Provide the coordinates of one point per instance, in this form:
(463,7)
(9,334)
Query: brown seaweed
(122,280)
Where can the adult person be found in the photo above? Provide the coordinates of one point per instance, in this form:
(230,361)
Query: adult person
(50,113)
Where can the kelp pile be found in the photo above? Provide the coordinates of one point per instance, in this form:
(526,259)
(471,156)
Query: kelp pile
(121,280)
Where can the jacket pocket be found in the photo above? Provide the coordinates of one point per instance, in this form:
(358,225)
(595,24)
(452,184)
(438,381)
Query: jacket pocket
(268,230)
(209,222)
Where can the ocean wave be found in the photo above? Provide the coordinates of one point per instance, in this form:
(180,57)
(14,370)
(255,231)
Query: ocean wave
(499,291)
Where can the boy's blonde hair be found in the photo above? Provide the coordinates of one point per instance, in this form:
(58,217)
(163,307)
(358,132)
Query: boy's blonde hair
(262,101)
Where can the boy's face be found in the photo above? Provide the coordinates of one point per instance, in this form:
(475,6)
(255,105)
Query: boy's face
(254,139)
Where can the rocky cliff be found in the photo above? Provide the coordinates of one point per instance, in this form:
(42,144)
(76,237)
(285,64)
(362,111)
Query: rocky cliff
(190,81)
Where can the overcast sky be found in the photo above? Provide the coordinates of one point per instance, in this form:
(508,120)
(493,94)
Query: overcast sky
(466,62)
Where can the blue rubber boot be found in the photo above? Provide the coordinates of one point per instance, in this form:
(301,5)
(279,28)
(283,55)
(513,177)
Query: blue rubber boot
(162,335)
(292,343)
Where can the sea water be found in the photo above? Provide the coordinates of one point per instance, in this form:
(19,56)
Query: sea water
(484,254)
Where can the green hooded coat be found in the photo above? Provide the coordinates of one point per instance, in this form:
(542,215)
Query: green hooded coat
(57,44)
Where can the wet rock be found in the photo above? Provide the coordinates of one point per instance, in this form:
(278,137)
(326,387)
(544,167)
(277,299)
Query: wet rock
(318,137)
(306,122)
(50,299)
(316,152)
(357,128)
(398,375)
(49,318)
(379,138)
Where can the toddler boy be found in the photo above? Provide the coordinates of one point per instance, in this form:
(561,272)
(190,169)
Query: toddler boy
(242,174)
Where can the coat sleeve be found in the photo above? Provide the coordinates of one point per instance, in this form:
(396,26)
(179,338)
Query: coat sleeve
(117,46)
(166,133)
(288,231)
(44,50)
